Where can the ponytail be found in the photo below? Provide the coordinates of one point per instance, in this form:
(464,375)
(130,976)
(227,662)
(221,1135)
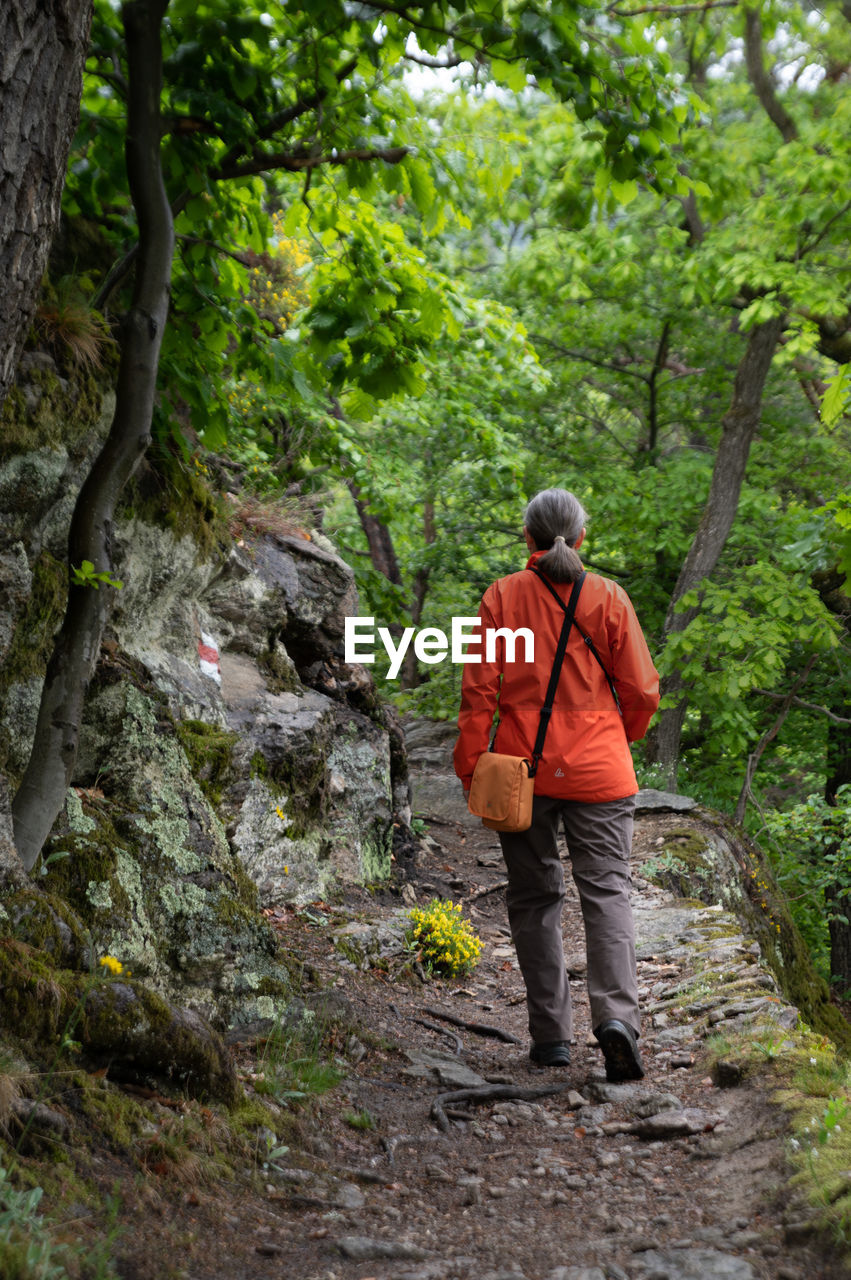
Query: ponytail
(555,519)
(562,564)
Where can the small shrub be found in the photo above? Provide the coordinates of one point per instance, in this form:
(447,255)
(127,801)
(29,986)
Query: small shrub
(290,1069)
(362,1119)
(445,941)
(26,1249)
(67,323)
(810,849)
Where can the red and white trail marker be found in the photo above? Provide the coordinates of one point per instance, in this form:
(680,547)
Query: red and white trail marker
(208,658)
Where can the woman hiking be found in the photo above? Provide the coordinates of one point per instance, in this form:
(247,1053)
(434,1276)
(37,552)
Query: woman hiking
(606,693)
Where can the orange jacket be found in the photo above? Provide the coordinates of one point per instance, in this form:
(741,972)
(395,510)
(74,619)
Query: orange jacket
(586,752)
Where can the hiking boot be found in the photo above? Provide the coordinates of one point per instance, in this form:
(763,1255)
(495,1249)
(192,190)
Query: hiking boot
(620,1050)
(553,1053)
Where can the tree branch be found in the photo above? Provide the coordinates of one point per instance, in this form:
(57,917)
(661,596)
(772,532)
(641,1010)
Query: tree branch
(812,244)
(694,222)
(183,125)
(294,163)
(808,706)
(121,269)
(673,10)
(243,259)
(117,81)
(580,355)
(303,105)
(770,734)
(438,64)
(652,383)
(760,79)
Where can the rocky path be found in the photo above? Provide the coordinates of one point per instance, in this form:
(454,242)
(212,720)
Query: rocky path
(674,1178)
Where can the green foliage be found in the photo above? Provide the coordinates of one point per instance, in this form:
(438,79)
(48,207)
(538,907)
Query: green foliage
(837,513)
(362,1119)
(375,307)
(307,112)
(27,1251)
(748,632)
(837,396)
(810,849)
(84,575)
(416,307)
(820,1147)
(445,941)
(291,1070)
(813,1084)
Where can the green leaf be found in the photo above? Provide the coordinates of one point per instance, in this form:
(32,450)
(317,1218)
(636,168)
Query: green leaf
(624,192)
(837,396)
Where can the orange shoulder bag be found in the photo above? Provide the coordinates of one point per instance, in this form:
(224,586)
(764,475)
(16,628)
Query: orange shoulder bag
(503,786)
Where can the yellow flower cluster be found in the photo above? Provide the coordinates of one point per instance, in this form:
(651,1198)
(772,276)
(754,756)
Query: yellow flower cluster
(113,966)
(761,890)
(446,941)
(277,284)
(277,289)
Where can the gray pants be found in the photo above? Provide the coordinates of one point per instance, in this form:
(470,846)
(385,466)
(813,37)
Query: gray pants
(599,839)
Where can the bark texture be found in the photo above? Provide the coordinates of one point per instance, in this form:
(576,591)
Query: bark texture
(761,80)
(42,51)
(382,553)
(739,428)
(48,774)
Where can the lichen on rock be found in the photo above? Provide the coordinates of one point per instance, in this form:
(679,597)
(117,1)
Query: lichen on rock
(200,791)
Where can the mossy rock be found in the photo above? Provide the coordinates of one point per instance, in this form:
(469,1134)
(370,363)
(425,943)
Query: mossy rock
(716,863)
(81,868)
(195,933)
(684,866)
(32,640)
(117,1022)
(46,411)
(209,750)
(300,776)
(136,1032)
(47,923)
(168,490)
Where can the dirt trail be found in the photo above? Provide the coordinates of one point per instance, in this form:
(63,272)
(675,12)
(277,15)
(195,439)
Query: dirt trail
(669,1179)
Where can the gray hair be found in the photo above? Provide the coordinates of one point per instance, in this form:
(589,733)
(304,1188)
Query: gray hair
(555,519)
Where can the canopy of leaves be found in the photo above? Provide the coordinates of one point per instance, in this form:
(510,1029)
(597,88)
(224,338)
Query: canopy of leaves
(437,296)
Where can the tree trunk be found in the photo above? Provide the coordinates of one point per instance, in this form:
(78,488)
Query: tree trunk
(739,428)
(382,553)
(42,52)
(48,774)
(830,588)
(410,670)
(768,737)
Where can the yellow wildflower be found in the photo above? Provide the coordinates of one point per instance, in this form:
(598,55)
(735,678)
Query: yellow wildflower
(114,966)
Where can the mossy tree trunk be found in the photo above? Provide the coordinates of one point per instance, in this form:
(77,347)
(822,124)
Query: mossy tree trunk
(739,428)
(42,791)
(42,51)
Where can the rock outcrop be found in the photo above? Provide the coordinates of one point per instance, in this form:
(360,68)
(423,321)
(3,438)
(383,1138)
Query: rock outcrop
(229,758)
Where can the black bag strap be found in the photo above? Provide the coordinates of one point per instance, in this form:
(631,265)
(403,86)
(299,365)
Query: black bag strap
(546,709)
(588,641)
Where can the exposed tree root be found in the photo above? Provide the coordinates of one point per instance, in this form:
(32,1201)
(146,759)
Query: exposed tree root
(444,1031)
(478,1028)
(489,1093)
